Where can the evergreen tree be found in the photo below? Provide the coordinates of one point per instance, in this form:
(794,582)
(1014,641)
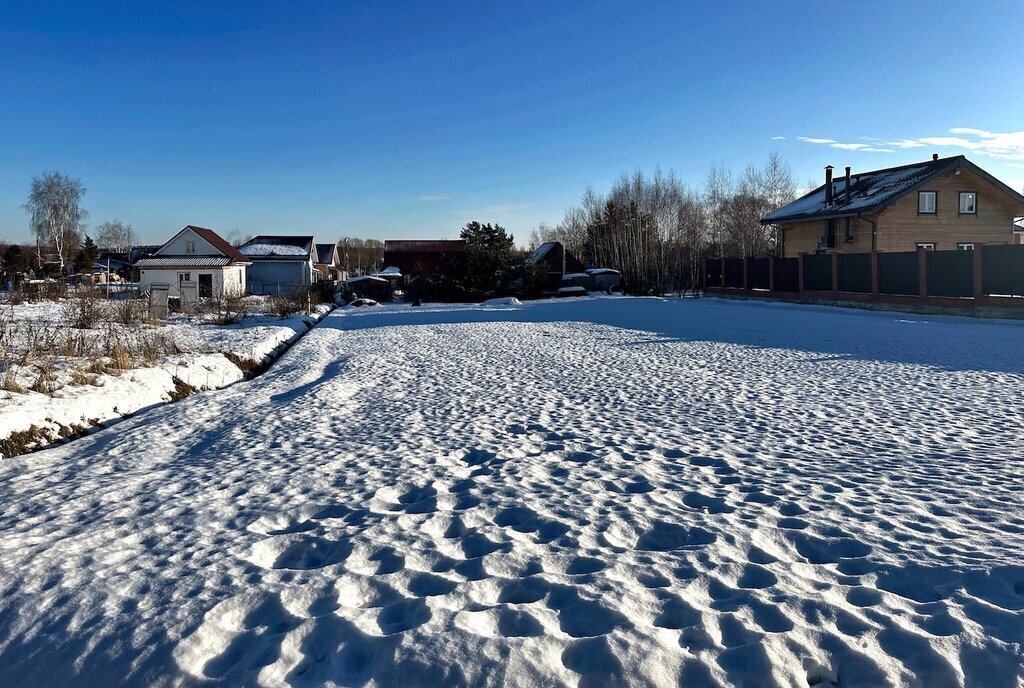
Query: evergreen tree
(490,258)
(88,255)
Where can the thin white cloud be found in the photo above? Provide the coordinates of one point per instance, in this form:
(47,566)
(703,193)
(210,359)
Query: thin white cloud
(860,147)
(778,138)
(428,199)
(905,143)
(863,147)
(999,145)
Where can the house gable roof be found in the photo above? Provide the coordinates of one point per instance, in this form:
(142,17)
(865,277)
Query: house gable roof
(541,251)
(211,237)
(425,246)
(871,192)
(279,247)
(327,254)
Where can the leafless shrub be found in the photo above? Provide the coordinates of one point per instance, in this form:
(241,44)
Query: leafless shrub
(151,346)
(129,311)
(84,311)
(284,306)
(45,383)
(225,310)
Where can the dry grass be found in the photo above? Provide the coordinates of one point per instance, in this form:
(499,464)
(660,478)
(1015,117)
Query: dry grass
(285,306)
(181,390)
(46,382)
(9,380)
(84,311)
(129,311)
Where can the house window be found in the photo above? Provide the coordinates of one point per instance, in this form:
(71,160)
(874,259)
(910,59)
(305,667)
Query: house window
(848,231)
(184,276)
(926,246)
(968,203)
(190,247)
(926,202)
(965,246)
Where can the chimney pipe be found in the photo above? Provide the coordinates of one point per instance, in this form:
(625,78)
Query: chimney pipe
(847,184)
(935,156)
(828,185)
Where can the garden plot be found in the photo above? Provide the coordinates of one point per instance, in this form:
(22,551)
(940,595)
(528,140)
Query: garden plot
(69,364)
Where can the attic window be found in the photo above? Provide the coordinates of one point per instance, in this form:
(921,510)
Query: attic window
(968,203)
(926,202)
(190,247)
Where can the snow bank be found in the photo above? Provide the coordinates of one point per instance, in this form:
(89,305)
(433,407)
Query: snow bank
(214,364)
(503,301)
(615,492)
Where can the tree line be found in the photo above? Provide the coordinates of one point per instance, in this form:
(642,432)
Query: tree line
(57,224)
(657,231)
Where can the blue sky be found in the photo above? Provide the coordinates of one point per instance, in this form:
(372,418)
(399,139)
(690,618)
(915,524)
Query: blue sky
(395,120)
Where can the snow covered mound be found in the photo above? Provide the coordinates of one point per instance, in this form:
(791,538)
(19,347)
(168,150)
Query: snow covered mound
(503,301)
(625,492)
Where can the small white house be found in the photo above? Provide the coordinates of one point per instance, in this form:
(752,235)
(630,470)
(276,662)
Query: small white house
(195,254)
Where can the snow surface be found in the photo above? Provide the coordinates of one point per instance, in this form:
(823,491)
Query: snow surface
(260,250)
(606,492)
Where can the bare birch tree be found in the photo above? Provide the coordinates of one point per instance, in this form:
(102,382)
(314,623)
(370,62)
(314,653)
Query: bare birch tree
(55,214)
(116,236)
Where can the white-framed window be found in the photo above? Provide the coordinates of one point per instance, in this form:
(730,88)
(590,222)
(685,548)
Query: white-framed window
(190,247)
(184,276)
(926,246)
(968,203)
(965,246)
(926,202)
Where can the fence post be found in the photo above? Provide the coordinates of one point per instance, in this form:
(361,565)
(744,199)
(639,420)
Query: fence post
(835,275)
(771,274)
(746,281)
(721,272)
(874,274)
(922,273)
(800,275)
(979,283)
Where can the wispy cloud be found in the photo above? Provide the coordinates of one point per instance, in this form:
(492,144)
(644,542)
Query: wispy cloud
(992,144)
(428,199)
(862,147)
(778,138)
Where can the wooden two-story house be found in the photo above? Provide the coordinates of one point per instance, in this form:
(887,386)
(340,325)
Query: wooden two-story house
(939,204)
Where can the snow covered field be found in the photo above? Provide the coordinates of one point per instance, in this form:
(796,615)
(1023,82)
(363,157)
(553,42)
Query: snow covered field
(600,492)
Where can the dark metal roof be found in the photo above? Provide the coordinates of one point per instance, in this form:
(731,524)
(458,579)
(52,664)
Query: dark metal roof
(325,253)
(870,192)
(425,246)
(541,251)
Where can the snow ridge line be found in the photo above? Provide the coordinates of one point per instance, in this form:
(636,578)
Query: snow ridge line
(169,387)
